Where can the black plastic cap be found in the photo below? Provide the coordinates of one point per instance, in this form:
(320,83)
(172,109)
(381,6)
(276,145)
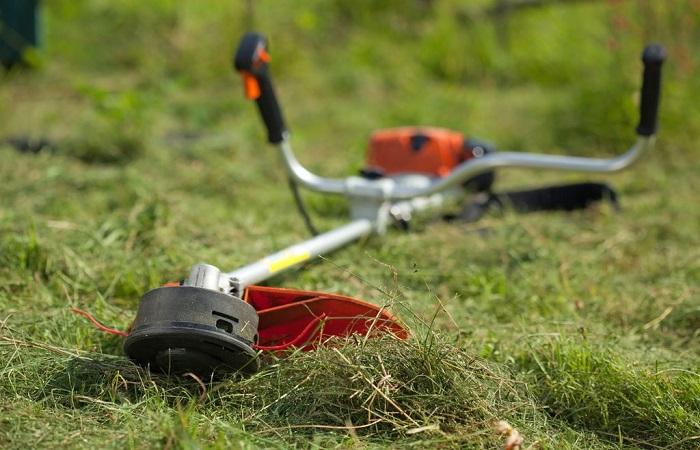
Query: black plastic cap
(190,329)
(654,54)
(247,52)
(653,58)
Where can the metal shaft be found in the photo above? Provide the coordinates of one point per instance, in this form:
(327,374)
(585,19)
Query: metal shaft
(299,253)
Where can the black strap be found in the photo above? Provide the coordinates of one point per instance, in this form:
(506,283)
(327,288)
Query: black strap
(25,144)
(567,197)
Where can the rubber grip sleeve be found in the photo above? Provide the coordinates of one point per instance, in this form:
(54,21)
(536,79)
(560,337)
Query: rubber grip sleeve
(653,58)
(270,110)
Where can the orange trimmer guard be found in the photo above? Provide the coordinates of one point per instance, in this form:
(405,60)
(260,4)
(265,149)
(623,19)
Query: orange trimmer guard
(290,318)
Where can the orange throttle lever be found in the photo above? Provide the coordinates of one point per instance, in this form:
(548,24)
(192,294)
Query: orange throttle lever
(251,60)
(250,86)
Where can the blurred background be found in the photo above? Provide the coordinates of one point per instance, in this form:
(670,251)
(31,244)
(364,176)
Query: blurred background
(531,73)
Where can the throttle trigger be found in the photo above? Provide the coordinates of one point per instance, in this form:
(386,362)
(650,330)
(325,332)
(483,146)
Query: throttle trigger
(251,86)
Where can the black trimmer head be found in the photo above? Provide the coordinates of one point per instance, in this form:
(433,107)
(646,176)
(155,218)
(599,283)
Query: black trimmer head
(192,329)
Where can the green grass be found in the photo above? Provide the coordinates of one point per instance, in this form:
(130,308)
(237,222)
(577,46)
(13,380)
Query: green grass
(581,330)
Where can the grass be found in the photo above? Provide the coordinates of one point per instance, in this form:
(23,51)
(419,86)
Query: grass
(580,330)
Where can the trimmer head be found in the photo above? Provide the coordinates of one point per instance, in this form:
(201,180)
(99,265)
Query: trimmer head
(192,329)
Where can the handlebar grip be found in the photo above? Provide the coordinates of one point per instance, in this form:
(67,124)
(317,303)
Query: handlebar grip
(653,58)
(251,60)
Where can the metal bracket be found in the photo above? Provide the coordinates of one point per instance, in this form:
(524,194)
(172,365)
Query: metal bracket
(370,200)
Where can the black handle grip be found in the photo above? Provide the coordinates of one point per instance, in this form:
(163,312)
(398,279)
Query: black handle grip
(653,58)
(251,60)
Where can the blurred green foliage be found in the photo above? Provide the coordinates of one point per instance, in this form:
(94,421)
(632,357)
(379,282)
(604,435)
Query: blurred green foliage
(582,55)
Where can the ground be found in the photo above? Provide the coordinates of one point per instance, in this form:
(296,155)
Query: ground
(578,329)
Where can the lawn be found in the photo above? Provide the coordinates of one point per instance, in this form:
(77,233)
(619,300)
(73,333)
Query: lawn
(580,330)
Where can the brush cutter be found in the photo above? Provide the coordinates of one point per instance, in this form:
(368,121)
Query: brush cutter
(216,320)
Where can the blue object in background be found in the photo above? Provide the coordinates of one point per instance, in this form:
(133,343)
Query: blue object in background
(18,30)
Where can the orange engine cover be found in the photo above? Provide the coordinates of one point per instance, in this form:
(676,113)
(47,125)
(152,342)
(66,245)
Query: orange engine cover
(430,151)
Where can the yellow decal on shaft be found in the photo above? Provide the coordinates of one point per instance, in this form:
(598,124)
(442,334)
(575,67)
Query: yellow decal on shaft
(287,260)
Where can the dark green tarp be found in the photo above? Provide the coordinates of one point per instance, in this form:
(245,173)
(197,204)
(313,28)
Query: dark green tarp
(18,29)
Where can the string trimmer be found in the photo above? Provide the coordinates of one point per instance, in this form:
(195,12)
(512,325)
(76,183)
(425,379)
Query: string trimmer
(216,320)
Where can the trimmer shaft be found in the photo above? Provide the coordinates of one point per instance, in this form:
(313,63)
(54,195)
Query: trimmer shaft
(192,329)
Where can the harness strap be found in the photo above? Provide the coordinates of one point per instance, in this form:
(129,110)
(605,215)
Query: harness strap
(568,197)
